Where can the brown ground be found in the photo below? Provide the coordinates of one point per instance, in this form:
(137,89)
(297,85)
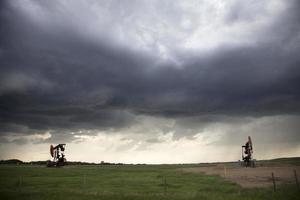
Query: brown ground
(251,177)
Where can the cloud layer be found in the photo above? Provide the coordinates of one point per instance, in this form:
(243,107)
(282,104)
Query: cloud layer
(76,68)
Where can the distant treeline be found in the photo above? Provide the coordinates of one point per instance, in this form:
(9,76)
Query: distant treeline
(11,161)
(18,162)
(290,160)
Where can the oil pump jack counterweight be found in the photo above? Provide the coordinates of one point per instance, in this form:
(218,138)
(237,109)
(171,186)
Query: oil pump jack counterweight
(58,154)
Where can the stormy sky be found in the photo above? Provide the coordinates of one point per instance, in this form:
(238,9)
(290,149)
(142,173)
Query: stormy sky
(159,81)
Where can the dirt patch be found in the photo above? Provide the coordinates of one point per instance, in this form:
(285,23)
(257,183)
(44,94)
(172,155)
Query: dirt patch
(250,177)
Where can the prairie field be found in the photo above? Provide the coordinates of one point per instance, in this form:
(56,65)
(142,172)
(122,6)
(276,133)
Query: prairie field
(128,182)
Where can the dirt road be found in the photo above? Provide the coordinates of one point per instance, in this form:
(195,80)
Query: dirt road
(251,177)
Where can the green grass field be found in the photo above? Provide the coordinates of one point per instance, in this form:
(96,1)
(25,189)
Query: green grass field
(124,182)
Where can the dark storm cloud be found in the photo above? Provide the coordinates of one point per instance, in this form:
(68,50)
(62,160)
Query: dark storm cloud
(267,130)
(59,79)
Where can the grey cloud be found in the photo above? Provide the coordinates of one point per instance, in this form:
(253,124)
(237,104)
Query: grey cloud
(153,140)
(60,78)
(243,11)
(270,130)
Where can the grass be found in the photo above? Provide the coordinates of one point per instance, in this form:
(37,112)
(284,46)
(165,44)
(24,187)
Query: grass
(124,182)
(280,161)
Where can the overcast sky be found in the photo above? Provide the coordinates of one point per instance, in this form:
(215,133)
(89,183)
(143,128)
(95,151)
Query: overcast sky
(158,81)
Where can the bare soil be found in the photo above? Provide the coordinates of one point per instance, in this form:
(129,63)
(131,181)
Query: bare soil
(251,177)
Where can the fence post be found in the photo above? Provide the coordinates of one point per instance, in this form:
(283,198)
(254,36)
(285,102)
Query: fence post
(274,183)
(165,185)
(296,178)
(20,181)
(84,181)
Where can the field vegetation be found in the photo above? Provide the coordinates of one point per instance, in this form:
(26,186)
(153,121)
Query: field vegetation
(125,182)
